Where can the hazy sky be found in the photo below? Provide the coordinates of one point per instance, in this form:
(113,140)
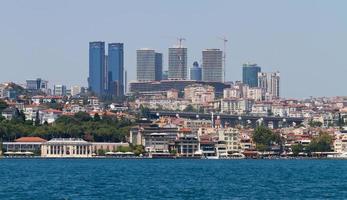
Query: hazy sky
(305,40)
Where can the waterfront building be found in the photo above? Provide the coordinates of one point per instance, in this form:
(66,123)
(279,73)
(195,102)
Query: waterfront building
(250,74)
(159,144)
(106,147)
(96,79)
(66,148)
(187,145)
(177,63)
(23,146)
(59,90)
(270,83)
(212,65)
(196,72)
(115,69)
(230,137)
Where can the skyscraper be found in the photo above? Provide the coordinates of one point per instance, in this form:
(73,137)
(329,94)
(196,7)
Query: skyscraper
(158,66)
(96,79)
(250,74)
(145,64)
(59,90)
(270,83)
(195,72)
(115,69)
(212,65)
(178,63)
(149,65)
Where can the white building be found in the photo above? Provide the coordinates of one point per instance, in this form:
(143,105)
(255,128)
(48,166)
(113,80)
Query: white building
(66,148)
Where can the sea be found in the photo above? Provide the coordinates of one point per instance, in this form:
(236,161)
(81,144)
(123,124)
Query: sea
(67,179)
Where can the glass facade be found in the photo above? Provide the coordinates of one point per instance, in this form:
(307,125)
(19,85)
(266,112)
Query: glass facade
(115,69)
(96,78)
(250,74)
(158,66)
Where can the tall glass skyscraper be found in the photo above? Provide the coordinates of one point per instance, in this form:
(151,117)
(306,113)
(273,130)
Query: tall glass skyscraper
(250,74)
(115,69)
(96,77)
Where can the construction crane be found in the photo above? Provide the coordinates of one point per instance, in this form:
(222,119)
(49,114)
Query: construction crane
(224,39)
(180,40)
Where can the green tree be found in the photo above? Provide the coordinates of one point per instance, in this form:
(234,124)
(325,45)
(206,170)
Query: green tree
(264,138)
(297,148)
(96,117)
(145,112)
(82,116)
(322,143)
(3,105)
(189,108)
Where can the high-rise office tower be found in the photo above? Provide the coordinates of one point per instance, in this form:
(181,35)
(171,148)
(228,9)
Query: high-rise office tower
(145,64)
(250,74)
(196,72)
(270,83)
(177,63)
(212,65)
(158,66)
(37,85)
(115,69)
(149,65)
(96,79)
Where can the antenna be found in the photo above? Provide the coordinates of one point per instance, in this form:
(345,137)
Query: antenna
(224,39)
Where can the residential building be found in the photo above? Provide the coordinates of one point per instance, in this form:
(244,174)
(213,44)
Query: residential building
(230,137)
(212,65)
(76,90)
(177,63)
(270,83)
(187,145)
(199,94)
(250,74)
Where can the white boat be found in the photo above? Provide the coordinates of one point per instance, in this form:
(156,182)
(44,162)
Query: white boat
(340,156)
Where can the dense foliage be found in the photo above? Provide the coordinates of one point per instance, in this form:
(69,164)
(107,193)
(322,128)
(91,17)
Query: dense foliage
(81,125)
(322,143)
(264,138)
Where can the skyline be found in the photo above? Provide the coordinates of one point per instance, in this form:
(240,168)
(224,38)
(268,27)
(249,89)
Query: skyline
(307,48)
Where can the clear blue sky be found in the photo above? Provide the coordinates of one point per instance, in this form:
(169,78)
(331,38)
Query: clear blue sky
(305,40)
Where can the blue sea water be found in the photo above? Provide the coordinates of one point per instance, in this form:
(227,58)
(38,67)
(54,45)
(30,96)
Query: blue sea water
(172,179)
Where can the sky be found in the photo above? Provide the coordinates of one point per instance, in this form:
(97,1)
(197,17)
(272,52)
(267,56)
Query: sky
(305,41)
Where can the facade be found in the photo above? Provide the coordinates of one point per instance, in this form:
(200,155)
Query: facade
(165,75)
(196,72)
(115,69)
(59,90)
(230,137)
(250,74)
(146,60)
(212,65)
(177,63)
(66,148)
(96,79)
(270,83)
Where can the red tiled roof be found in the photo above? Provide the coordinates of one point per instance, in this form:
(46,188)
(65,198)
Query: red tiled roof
(30,139)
